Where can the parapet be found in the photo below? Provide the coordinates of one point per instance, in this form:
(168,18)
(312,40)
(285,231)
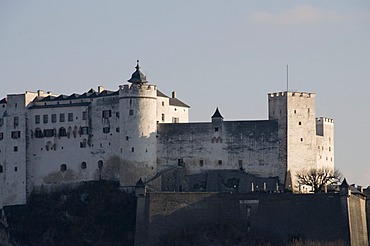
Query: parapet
(324,120)
(137,90)
(291,94)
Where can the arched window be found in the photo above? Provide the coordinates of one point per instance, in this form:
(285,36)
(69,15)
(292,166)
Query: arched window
(48,146)
(83,165)
(38,133)
(63,167)
(62,132)
(100,164)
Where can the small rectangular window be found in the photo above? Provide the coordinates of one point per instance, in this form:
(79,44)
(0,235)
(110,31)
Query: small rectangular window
(201,163)
(220,162)
(53,118)
(175,120)
(15,169)
(162,117)
(329,148)
(299,123)
(117,129)
(240,163)
(180,162)
(117,115)
(1,169)
(127,137)
(16,134)
(301,139)
(45,118)
(1,121)
(84,130)
(106,129)
(216,129)
(162,103)
(131,112)
(70,116)
(37,119)
(15,148)
(106,114)
(84,115)
(1,136)
(16,121)
(132,149)
(61,117)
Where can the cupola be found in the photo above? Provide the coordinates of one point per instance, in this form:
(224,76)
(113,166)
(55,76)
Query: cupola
(138,77)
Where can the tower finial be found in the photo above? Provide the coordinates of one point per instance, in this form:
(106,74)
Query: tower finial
(137,64)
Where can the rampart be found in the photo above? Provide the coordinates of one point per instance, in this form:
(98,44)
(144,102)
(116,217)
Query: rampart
(318,217)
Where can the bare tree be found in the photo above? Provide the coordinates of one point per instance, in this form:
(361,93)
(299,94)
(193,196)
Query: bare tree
(318,178)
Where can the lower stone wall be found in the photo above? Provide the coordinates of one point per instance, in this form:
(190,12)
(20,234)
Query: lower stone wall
(358,228)
(281,216)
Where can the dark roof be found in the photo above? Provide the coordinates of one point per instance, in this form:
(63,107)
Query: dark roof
(160,94)
(3,100)
(217,114)
(177,102)
(48,98)
(137,77)
(60,105)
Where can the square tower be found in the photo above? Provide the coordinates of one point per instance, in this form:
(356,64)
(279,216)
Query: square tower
(295,113)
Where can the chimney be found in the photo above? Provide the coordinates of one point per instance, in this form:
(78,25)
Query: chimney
(40,93)
(174,94)
(100,89)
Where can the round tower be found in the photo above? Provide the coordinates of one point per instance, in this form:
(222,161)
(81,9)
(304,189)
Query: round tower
(138,107)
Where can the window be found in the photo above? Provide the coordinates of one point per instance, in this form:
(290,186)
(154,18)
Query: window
(220,162)
(131,112)
(45,118)
(132,149)
(53,118)
(240,163)
(38,133)
(16,121)
(70,116)
(84,115)
(216,129)
(162,103)
(180,162)
(1,169)
(84,130)
(106,129)
(37,119)
(295,111)
(83,165)
(201,163)
(48,133)
(16,134)
(329,148)
(106,114)
(1,121)
(301,139)
(62,132)
(175,120)
(1,136)
(100,164)
(117,129)
(63,167)
(162,117)
(117,114)
(83,144)
(61,117)
(15,169)
(299,123)
(15,148)
(127,137)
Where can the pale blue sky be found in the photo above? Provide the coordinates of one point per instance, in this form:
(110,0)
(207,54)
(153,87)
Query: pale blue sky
(228,54)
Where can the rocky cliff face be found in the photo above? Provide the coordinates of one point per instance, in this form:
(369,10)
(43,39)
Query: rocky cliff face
(96,213)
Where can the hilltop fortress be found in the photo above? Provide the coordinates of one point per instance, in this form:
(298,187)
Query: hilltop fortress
(139,132)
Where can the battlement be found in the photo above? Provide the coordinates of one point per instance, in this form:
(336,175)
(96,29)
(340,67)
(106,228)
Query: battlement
(291,94)
(137,90)
(324,120)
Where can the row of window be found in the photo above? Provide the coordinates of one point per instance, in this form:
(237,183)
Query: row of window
(15,121)
(2,169)
(83,165)
(45,117)
(322,148)
(14,135)
(62,132)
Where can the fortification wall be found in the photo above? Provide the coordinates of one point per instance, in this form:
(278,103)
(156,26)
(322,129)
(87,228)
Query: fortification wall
(249,145)
(285,216)
(357,220)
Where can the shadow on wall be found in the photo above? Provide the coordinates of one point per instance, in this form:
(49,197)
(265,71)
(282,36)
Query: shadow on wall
(259,218)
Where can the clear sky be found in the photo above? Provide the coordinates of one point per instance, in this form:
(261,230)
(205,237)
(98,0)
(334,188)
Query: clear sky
(228,54)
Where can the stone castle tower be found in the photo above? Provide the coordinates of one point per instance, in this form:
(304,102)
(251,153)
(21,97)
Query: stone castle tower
(303,144)
(138,107)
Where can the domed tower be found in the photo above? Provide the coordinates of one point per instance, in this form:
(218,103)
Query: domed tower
(138,107)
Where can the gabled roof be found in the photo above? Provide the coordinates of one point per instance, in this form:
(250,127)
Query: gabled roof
(177,102)
(48,98)
(3,100)
(160,94)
